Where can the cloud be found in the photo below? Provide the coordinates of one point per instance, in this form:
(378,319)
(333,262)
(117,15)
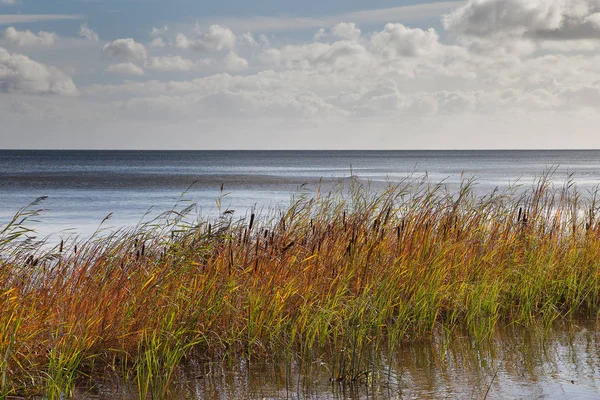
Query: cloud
(214,39)
(125,49)
(248,40)
(158,43)
(486,91)
(125,69)
(170,63)
(7,19)
(27,38)
(234,62)
(536,19)
(88,33)
(398,40)
(346,30)
(20,74)
(342,30)
(9,2)
(159,31)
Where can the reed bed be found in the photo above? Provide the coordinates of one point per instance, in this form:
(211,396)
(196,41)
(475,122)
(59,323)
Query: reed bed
(332,276)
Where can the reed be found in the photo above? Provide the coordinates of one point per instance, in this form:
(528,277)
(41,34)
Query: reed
(331,277)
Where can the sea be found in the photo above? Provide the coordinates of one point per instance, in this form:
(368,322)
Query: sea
(80,189)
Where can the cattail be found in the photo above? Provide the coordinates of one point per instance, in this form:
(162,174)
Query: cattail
(60,250)
(251,222)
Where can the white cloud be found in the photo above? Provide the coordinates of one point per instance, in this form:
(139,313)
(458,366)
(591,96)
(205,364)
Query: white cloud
(346,30)
(214,39)
(88,33)
(158,43)
(234,62)
(20,74)
(26,38)
(125,49)
(125,69)
(159,31)
(170,63)
(398,40)
(342,30)
(248,40)
(9,2)
(537,19)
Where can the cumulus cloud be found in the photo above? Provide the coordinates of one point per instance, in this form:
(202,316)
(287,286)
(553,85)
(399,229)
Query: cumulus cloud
(398,40)
(535,19)
(346,30)
(88,33)
(234,62)
(248,40)
(20,74)
(170,63)
(342,30)
(125,69)
(27,38)
(159,31)
(158,43)
(125,49)
(214,39)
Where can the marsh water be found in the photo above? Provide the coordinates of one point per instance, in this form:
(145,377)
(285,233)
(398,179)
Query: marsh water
(515,363)
(83,187)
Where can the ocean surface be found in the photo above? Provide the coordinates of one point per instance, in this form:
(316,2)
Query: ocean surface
(83,187)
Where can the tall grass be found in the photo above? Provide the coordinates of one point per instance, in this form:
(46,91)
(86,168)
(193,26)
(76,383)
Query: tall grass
(332,276)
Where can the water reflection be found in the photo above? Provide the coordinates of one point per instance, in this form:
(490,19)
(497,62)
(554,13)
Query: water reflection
(516,363)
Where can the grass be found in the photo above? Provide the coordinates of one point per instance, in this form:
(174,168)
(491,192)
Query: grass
(330,277)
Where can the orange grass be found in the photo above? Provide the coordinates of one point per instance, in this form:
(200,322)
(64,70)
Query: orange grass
(342,271)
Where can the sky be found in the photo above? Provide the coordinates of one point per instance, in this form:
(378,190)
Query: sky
(310,74)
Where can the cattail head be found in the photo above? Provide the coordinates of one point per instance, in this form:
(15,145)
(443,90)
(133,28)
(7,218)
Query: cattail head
(251,222)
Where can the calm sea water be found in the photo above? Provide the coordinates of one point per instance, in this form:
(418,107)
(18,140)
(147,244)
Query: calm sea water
(83,187)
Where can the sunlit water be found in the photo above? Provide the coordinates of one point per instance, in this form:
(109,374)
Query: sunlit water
(562,363)
(84,187)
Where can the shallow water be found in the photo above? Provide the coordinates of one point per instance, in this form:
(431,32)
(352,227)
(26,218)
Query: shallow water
(515,363)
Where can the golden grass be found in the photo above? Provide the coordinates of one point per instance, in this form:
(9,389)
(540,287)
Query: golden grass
(344,271)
